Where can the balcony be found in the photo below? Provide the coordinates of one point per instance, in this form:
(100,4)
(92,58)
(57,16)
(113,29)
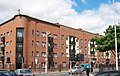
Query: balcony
(2,39)
(50,39)
(2,49)
(92,52)
(2,45)
(93,58)
(50,56)
(50,49)
(2,58)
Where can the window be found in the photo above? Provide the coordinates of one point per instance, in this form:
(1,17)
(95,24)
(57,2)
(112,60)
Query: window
(19,47)
(62,37)
(11,53)
(49,35)
(7,43)
(64,64)
(37,66)
(32,42)
(81,41)
(55,46)
(77,40)
(55,54)
(6,53)
(85,55)
(37,53)
(55,36)
(66,46)
(7,34)
(66,37)
(85,48)
(37,43)
(32,32)
(43,65)
(62,45)
(67,54)
(43,54)
(62,54)
(71,38)
(32,53)
(1,35)
(55,64)
(37,33)
(43,34)
(43,44)
(10,43)
(20,33)
(85,40)
(11,33)
(49,44)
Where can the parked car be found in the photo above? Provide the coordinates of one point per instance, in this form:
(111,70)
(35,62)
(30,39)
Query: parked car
(24,72)
(107,73)
(75,70)
(8,73)
(83,67)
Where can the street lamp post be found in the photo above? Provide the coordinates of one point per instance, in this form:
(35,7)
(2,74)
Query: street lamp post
(89,56)
(115,40)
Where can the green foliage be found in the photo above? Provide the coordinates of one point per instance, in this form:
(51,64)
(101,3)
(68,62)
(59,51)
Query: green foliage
(107,42)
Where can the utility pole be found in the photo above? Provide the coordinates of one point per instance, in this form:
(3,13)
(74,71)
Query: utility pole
(115,39)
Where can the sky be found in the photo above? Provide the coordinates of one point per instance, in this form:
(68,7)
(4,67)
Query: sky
(90,15)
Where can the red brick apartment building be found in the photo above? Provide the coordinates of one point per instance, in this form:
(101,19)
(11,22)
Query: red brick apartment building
(23,43)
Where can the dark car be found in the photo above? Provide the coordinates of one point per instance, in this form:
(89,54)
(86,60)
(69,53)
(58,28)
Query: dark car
(107,73)
(8,73)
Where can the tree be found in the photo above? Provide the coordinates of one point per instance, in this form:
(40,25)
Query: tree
(107,42)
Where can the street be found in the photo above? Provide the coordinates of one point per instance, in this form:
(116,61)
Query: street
(58,74)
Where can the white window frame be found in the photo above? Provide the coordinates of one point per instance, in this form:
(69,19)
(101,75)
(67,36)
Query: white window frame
(37,53)
(44,44)
(43,54)
(37,33)
(55,55)
(43,34)
(43,65)
(37,43)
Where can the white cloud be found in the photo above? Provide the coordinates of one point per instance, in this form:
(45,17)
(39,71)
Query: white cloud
(61,11)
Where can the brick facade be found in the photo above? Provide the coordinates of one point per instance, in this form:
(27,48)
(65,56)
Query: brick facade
(33,41)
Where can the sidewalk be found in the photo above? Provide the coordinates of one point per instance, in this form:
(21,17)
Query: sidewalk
(55,72)
(37,73)
(84,73)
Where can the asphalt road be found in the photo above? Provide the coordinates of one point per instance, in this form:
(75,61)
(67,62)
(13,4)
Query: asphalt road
(58,74)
